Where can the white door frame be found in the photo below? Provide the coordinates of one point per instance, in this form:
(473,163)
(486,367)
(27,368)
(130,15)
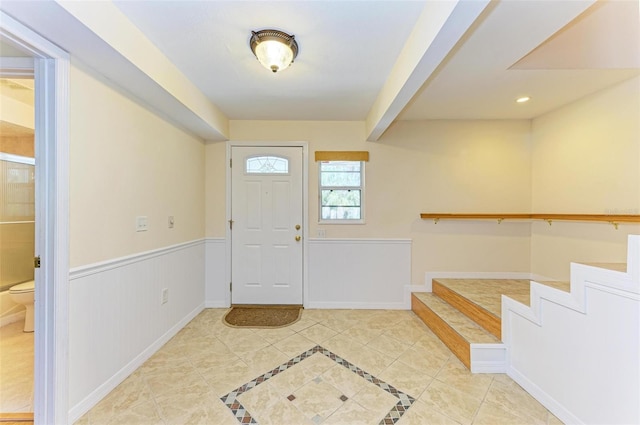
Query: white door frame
(51,73)
(305,210)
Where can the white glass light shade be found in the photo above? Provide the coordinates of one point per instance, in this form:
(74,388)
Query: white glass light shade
(274,49)
(274,55)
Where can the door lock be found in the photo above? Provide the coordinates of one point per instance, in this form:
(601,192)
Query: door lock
(297,227)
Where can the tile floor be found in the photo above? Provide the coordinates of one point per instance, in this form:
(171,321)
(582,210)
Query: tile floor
(16,369)
(331,367)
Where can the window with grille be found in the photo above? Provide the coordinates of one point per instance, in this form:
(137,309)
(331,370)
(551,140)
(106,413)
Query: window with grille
(341,191)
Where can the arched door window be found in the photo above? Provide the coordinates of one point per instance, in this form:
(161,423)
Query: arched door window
(267,165)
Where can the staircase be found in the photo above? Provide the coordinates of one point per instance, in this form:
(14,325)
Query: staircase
(573,346)
(466,316)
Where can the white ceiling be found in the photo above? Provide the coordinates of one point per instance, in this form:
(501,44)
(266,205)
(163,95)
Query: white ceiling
(479,80)
(554,51)
(347,49)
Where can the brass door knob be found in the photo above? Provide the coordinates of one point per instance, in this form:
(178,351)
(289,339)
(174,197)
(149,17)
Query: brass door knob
(298,238)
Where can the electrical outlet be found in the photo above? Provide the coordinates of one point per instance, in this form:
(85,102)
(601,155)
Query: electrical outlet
(165,296)
(322,233)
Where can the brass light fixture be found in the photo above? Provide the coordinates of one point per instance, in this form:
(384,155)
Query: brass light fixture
(274,49)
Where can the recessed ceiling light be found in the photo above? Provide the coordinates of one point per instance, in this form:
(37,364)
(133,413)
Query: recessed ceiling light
(523,99)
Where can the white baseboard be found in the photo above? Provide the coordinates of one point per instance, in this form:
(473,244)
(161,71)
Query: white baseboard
(216,304)
(76,412)
(356,306)
(488,358)
(420,288)
(12,318)
(544,398)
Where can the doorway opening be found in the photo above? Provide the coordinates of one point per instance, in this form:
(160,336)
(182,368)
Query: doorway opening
(17,243)
(24,52)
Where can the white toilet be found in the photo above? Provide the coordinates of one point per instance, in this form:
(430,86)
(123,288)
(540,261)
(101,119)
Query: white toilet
(23,293)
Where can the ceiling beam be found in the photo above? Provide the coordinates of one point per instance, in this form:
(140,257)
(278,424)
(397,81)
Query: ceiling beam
(99,35)
(440,26)
(111,25)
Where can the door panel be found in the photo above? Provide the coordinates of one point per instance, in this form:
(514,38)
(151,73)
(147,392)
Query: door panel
(266,208)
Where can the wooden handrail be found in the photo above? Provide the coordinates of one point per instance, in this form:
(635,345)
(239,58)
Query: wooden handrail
(605,218)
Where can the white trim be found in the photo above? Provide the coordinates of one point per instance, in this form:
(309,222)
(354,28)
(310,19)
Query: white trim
(215,240)
(16,67)
(361,188)
(12,318)
(100,267)
(215,265)
(583,278)
(543,397)
(488,366)
(51,72)
(215,304)
(488,358)
(17,158)
(333,241)
(99,393)
(357,306)
(305,209)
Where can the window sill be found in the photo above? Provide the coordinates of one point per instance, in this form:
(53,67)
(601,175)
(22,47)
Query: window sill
(342,221)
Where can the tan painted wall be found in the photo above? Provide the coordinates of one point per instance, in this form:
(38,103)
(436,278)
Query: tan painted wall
(127,162)
(586,159)
(416,167)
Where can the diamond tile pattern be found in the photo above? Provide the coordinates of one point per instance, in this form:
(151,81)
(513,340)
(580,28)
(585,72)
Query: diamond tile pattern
(370,367)
(231,399)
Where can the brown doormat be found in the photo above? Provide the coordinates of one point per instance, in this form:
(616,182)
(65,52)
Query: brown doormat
(262,316)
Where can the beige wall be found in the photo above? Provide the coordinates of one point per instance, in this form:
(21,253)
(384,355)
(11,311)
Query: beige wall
(586,159)
(583,158)
(477,166)
(127,162)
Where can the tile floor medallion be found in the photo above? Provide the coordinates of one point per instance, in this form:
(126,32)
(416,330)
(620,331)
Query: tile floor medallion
(318,397)
(333,367)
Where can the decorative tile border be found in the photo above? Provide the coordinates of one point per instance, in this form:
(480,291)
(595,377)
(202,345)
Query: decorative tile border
(244,417)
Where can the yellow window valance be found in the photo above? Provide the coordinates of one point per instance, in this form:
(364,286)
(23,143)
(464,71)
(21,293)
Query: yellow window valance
(342,156)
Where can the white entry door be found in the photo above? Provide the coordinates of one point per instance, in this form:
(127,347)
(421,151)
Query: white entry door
(267,220)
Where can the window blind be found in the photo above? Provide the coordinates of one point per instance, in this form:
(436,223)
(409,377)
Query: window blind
(342,156)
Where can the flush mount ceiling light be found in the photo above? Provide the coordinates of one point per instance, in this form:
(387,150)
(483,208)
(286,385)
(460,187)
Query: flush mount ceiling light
(523,99)
(274,49)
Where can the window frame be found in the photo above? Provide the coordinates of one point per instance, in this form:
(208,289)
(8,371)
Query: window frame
(361,188)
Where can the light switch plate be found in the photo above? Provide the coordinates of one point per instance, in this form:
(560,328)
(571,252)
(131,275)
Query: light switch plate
(142,224)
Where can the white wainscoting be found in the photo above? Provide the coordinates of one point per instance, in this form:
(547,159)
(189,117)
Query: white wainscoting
(117,320)
(577,353)
(216,280)
(359,273)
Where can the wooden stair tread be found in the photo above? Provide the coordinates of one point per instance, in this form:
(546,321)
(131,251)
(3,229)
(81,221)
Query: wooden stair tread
(465,327)
(487,293)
